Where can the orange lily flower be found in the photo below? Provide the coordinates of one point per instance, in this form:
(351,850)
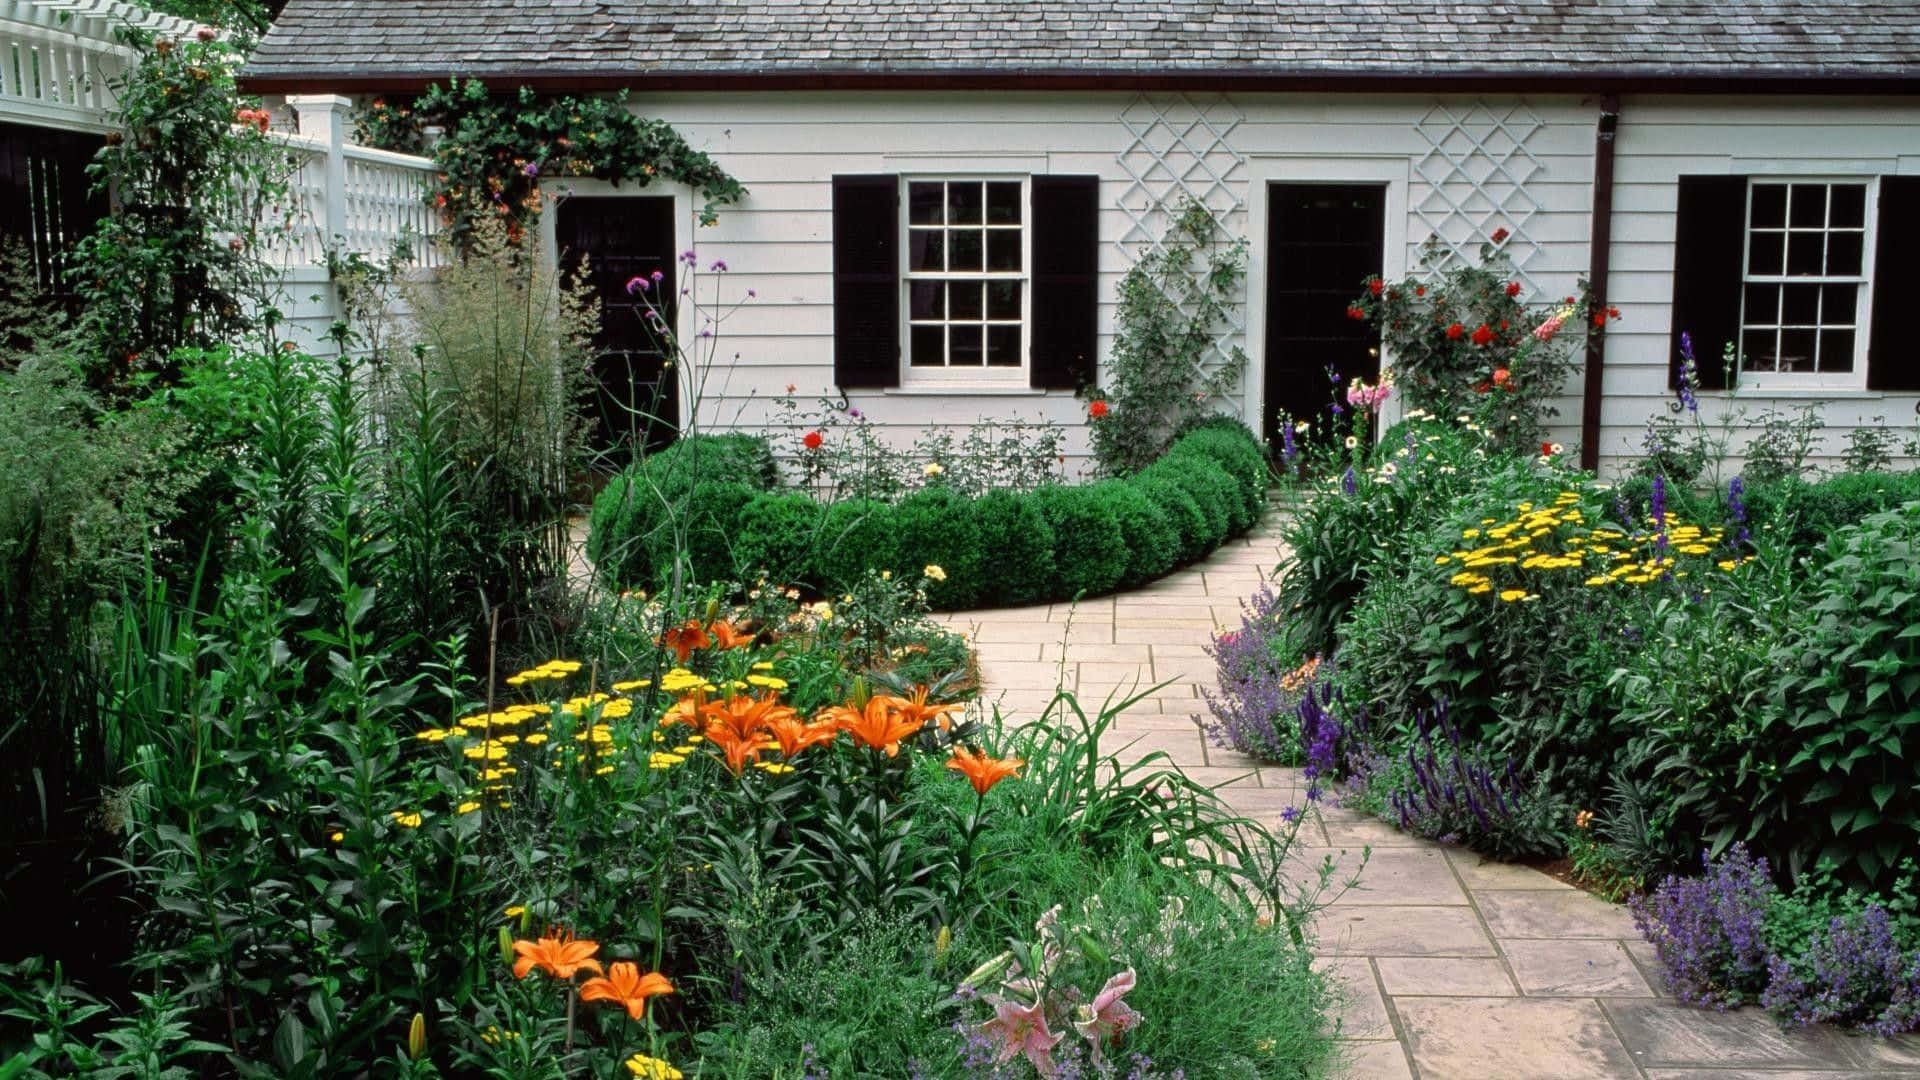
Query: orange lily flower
(685,638)
(625,986)
(688,710)
(559,956)
(738,749)
(795,735)
(916,708)
(981,770)
(880,725)
(728,636)
(746,716)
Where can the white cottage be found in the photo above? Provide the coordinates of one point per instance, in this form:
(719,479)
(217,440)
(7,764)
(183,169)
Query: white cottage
(944,195)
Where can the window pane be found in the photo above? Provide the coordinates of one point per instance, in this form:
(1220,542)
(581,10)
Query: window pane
(1809,209)
(1805,252)
(1003,250)
(1839,304)
(963,204)
(1003,346)
(929,346)
(1796,350)
(965,346)
(965,251)
(963,299)
(1763,305)
(1757,350)
(1769,206)
(924,202)
(1849,207)
(926,300)
(1003,203)
(1003,299)
(1801,306)
(925,249)
(1843,253)
(1836,350)
(1766,254)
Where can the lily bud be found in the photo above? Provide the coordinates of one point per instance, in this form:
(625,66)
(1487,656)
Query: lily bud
(417,1037)
(862,693)
(978,976)
(713,610)
(506,947)
(942,941)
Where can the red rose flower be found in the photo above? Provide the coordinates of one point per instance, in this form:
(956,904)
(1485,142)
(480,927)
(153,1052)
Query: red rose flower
(1500,376)
(1419,290)
(1374,286)
(1482,387)
(1483,335)
(1097,410)
(1546,449)
(812,440)
(1503,324)
(1599,318)
(1456,332)
(1513,288)
(1356,313)
(1613,313)
(1500,234)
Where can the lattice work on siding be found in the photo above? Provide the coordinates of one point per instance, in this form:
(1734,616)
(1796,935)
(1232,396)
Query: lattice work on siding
(1179,147)
(1472,182)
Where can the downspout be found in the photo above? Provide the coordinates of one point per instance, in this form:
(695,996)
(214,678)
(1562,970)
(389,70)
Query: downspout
(1599,256)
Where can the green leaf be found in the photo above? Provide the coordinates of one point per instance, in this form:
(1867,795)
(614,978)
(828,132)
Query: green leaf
(1881,793)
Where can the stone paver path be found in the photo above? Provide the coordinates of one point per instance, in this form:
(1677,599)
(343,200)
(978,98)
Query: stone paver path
(1452,966)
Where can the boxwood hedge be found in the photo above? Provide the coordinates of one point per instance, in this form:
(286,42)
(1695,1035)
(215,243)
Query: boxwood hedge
(1002,549)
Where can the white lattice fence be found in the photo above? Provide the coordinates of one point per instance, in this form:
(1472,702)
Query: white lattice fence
(58,57)
(1180,148)
(1472,181)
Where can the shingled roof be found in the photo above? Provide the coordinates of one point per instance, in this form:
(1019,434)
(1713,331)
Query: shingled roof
(1723,44)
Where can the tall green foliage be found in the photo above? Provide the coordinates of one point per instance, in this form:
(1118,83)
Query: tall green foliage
(1166,366)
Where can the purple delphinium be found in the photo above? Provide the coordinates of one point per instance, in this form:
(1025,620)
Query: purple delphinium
(1349,483)
(1657,503)
(1289,451)
(1737,511)
(1689,375)
(1709,931)
(1855,973)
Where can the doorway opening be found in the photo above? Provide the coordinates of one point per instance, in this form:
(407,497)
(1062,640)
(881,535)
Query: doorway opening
(1323,242)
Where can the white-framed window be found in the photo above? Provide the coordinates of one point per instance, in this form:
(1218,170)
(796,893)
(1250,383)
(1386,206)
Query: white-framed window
(1805,283)
(964,277)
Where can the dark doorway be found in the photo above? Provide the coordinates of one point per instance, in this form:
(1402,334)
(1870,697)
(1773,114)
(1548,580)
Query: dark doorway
(47,202)
(635,397)
(1323,241)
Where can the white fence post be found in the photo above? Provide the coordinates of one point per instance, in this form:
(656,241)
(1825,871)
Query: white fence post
(323,117)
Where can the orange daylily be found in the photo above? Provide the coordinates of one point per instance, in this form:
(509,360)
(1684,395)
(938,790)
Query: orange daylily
(686,637)
(559,956)
(625,986)
(981,770)
(880,725)
(688,710)
(745,716)
(738,748)
(728,636)
(916,708)
(795,735)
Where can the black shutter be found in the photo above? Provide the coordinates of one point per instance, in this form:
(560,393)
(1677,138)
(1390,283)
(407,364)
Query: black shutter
(866,281)
(1892,362)
(1066,281)
(1709,240)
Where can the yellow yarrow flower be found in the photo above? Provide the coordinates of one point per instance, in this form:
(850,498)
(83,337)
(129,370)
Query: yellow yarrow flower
(466,808)
(1510,595)
(406,819)
(652,1068)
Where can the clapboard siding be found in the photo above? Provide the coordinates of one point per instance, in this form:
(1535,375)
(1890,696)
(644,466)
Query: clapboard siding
(786,147)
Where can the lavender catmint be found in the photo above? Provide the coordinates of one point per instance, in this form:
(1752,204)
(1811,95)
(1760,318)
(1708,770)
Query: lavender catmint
(1709,931)
(1856,973)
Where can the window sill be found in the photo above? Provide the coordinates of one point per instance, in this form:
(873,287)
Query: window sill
(964,390)
(1811,393)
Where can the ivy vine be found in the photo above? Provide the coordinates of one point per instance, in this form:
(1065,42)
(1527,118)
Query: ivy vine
(1163,371)
(499,154)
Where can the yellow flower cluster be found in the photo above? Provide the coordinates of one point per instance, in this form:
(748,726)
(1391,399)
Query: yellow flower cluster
(1558,537)
(552,669)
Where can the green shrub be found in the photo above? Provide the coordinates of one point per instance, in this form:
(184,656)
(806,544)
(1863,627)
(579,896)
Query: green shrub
(712,516)
(631,529)
(937,528)
(856,535)
(1234,449)
(1020,543)
(776,536)
(1210,489)
(1806,513)
(1153,544)
(1183,512)
(1089,554)
(1844,710)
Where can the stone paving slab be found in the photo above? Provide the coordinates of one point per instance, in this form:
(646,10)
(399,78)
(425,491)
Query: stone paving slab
(1449,964)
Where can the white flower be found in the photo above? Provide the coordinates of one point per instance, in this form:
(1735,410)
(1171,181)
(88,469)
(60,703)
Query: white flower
(1387,470)
(1352,442)
(1302,426)
(932,468)
(1558,449)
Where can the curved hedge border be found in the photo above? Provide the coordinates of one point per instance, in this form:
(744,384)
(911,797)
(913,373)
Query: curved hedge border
(1004,549)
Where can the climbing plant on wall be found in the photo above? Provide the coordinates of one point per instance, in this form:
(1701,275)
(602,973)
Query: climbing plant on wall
(499,156)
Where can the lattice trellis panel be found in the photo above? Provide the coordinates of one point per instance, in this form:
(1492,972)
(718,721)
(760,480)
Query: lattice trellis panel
(1180,147)
(1472,182)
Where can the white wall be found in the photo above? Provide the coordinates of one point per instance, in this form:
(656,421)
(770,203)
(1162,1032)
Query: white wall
(1530,160)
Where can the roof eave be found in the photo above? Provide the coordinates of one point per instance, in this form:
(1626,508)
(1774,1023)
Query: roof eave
(267,79)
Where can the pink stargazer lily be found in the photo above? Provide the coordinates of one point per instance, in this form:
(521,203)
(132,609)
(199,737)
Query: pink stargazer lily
(1107,1016)
(1022,1029)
